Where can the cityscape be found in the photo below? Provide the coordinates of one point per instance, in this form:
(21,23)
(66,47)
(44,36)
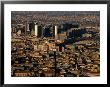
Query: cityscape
(55,43)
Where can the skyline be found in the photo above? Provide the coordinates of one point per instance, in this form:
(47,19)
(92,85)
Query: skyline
(64,45)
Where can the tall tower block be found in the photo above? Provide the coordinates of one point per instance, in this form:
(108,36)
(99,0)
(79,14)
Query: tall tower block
(28,27)
(56,30)
(36,30)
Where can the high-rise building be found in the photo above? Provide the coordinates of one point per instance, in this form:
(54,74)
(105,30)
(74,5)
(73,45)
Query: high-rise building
(46,32)
(56,30)
(39,34)
(36,30)
(28,27)
(21,28)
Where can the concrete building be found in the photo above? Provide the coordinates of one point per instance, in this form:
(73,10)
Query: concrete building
(36,29)
(56,30)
